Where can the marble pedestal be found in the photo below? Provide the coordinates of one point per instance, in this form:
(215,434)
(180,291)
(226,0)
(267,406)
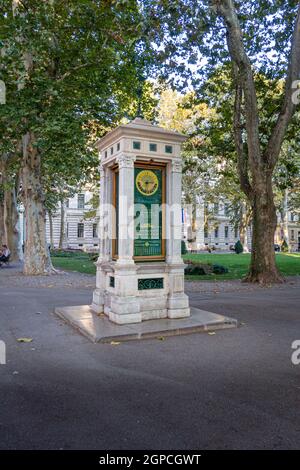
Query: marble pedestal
(140,291)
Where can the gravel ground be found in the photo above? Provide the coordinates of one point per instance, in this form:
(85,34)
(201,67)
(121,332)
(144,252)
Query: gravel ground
(12,275)
(233,389)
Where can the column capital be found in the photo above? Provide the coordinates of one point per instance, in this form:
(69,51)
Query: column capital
(177,166)
(101,170)
(126,161)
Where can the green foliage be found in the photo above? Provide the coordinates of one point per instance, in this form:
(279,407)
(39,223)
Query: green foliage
(219,269)
(68,254)
(93,257)
(238,266)
(238,247)
(201,269)
(183,248)
(198,269)
(81,78)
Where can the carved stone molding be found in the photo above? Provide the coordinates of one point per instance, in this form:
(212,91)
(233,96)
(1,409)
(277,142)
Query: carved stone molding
(101,170)
(176,166)
(126,161)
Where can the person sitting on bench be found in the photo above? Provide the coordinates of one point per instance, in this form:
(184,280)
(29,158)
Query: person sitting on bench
(4,254)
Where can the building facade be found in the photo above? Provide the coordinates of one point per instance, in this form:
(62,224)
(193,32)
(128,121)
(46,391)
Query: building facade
(219,234)
(80,233)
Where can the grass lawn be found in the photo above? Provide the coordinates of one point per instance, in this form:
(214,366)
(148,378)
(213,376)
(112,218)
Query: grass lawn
(79,262)
(288,263)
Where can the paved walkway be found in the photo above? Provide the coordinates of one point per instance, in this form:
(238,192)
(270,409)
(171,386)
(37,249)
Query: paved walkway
(235,389)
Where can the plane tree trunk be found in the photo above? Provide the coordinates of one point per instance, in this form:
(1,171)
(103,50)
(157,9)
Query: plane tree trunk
(257,161)
(62,234)
(51,230)
(36,254)
(9,214)
(243,226)
(263,267)
(12,222)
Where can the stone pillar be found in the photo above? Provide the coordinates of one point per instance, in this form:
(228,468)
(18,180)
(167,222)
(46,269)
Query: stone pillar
(98,295)
(200,241)
(125,305)
(178,303)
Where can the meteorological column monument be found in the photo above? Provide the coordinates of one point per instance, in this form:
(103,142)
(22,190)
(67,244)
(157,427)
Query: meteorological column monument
(140,272)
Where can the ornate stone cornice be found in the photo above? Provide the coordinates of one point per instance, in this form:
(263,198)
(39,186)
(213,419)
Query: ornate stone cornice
(101,170)
(126,161)
(177,166)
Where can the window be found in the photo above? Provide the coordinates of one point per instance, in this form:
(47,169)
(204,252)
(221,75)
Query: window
(236,232)
(68,230)
(292,235)
(292,217)
(226,210)
(95,230)
(105,154)
(80,230)
(226,230)
(67,204)
(216,232)
(205,232)
(153,147)
(216,208)
(111,150)
(168,149)
(136,145)
(80,201)
(118,146)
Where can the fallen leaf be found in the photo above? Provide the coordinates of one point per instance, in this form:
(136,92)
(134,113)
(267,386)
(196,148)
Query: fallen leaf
(24,340)
(161,338)
(211,333)
(114,343)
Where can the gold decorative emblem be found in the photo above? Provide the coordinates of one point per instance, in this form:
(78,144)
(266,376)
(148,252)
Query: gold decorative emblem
(147,182)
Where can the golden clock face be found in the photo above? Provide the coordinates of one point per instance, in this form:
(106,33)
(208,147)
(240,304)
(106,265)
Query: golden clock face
(147,182)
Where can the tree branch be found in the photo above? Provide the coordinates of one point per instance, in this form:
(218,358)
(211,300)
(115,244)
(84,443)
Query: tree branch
(226,9)
(288,107)
(242,158)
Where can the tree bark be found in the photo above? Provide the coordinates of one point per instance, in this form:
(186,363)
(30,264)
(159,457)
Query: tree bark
(2,225)
(51,230)
(9,214)
(285,220)
(263,269)
(252,161)
(244,224)
(62,234)
(12,223)
(36,254)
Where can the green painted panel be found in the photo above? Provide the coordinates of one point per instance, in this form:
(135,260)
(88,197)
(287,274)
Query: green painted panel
(148,194)
(151,283)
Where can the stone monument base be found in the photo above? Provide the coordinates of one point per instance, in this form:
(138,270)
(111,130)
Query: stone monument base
(99,329)
(140,291)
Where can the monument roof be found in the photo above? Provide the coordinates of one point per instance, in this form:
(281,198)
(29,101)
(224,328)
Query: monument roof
(139,128)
